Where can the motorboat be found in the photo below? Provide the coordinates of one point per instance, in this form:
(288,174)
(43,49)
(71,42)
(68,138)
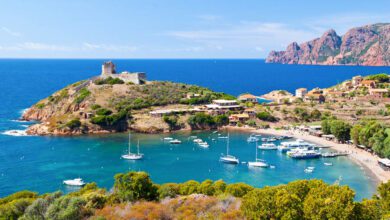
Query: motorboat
(175,141)
(198,140)
(308,170)
(203,144)
(268,146)
(132,156)
(228,158)
(289,145)
(252,139)
(305,154)
(74,182)
(270,139)
(167,139)
(258,162)
(328,164)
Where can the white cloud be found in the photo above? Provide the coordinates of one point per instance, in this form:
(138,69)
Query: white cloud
(209,17)
(10,32)
(44,47)
(107,47)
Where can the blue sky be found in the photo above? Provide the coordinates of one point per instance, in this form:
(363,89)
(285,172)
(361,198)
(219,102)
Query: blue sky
(172,29)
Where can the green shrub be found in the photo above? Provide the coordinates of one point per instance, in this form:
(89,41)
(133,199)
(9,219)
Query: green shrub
(238,189)
(171,120)
(266,116)
(189,187)
(83,93)
(74,123)
(168,190)
(134,186)
(109,80)
(40,105)
(95,106)
(103,111)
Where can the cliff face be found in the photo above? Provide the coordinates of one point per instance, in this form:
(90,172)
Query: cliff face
(367,46)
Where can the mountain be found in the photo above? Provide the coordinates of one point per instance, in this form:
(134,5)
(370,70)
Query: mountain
(366,46)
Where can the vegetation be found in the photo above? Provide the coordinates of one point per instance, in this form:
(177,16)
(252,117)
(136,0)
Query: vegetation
(83,93)
(110,120)
(204,121)
(171,120)
(266,116)
(109,80)
(135,196)
(74,123)
(380,78)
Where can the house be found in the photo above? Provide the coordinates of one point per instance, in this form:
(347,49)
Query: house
(315,95)
(301,92)
(379,93)
(236,118)
(251,112)
(347,85)
(193,95)
(222,104)
(368,84)
(247,98)
(356,80)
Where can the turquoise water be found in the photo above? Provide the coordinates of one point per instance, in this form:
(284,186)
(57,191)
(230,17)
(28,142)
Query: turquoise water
(42,163)
(43,167)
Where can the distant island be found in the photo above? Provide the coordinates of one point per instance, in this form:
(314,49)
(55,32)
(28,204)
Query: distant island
(366,46)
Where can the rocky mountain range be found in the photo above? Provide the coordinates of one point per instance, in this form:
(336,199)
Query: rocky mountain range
(367,46)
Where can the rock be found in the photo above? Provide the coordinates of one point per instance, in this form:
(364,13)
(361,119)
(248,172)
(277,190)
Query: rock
(367,45)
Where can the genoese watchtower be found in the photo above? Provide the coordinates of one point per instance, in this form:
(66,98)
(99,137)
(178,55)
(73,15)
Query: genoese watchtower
(108,70)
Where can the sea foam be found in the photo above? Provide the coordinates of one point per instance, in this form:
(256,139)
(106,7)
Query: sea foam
(15,133)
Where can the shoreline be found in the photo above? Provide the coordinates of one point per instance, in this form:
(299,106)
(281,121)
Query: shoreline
(361,157)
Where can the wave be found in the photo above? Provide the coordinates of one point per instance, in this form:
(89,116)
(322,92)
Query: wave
(15,133)
(19,120)
(23,111)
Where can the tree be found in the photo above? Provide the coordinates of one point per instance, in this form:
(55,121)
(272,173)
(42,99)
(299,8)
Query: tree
(341,130)
(325,126)
(355,133)
(168,190)
(189,187)
(260,203)
(171,121)
(219,187)
(206,188)
(329,202)
(266,116)
(238,189)
(66,208)
(133,186)
(315,114)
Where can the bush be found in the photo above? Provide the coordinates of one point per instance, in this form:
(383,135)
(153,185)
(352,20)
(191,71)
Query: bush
(381,78)
(238,189)
(201,120)
(103,111)
(134,186)
(40,105)
(171,121)
(168,190)
(266,116)
(189,187)
(83,93)
(109,120)
(95,106)
(109,80)
(206,188)
(74,123)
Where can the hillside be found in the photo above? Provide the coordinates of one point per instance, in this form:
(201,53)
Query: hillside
(367,46)
(103,105)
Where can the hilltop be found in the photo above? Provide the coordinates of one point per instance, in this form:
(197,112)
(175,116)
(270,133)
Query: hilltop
(367,46)
(115,102)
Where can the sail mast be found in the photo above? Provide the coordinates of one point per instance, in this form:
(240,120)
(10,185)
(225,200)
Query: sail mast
(138,147)
(227,145)
(256,150)
(129,143)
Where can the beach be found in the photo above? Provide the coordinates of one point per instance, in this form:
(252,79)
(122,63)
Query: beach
(362,157)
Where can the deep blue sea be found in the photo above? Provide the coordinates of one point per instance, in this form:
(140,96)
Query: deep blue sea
(42,163)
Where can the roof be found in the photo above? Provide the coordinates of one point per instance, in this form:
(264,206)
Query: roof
(247,96)
(244,115)
(301,89)
(367,81)
(223,101)
(385,162)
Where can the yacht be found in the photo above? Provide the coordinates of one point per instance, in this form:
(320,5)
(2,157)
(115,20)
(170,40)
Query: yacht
(309,170)
(328,164)
(257,162)
(74,182)
(268,146)
(132,156)
(175,141)
(306,154)
(167,139)
(228,158)
(198,140)
(270,139)
(289,145)
(203,144)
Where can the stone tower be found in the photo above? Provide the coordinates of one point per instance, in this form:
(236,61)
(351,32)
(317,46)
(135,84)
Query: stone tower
(108,68)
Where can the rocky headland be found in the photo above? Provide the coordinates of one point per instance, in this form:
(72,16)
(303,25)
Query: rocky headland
(367,46)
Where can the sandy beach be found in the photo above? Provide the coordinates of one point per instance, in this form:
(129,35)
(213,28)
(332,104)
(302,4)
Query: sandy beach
(366,159)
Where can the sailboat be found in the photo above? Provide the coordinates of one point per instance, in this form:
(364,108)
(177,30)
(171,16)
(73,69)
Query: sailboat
(257,162)
(133,156)
(228,158)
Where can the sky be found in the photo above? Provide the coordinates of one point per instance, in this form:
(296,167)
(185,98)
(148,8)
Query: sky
(173,28)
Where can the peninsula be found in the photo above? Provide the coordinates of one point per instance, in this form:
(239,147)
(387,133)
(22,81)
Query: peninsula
(366,46)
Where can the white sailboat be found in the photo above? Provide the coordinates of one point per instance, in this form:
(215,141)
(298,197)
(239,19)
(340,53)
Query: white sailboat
(228,158)
(74,182)
(133,156)
(257,162)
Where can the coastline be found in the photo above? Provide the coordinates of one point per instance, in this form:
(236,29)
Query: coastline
(364,158)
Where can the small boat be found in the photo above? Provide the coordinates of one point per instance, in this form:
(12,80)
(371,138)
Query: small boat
(228,158)
(272,167)
(198,140)
(175,141)
(223,137)
(269,146)
(204,144)
(257,135)
(133,156)
(271,139)
(309,169)
(252,139)
(257,162)
(74,182)
(167,139)
(328,164)
(305,154)
(214,132)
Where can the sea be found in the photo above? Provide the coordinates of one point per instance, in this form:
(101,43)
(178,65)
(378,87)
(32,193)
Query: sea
(41,163)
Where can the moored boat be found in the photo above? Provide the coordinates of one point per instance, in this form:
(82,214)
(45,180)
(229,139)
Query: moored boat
(228,158)
(268,146)
(74,182)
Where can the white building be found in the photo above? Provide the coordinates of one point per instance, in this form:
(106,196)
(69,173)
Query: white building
(301,92)
(224,104)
